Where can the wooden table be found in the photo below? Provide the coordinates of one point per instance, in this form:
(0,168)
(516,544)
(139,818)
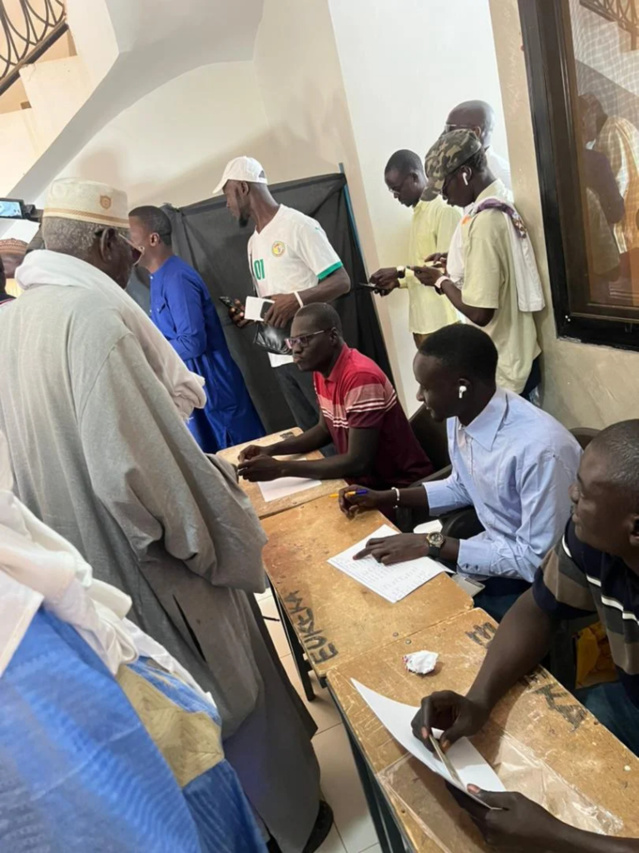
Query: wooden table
(539,740)
(333,616)
(265,509)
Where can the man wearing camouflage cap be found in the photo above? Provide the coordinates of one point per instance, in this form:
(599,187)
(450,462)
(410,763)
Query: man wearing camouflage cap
(489,274)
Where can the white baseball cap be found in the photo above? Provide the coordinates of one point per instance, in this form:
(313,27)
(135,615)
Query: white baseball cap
(242,169)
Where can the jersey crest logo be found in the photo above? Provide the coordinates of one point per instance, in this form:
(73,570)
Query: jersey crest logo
(278,248)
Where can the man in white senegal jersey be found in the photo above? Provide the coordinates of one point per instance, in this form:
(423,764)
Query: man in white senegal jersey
(291,262)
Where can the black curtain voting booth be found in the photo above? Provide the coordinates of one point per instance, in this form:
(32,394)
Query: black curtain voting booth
(206,236)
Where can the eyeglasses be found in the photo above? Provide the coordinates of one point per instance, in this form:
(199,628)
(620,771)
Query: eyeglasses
(304,340)
(135,250)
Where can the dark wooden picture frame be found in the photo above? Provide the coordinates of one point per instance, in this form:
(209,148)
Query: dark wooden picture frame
(547,39)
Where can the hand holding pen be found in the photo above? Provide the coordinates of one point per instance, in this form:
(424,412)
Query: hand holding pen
(353,499)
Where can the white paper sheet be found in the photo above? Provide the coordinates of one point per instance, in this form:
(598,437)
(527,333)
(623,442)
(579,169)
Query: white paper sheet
(391,582)
(255,307)
(273,490)
(396,718)
(434,526)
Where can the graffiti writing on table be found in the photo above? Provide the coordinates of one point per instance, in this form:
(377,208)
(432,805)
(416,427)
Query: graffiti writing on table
(482,634)
(317,646)
(557,699)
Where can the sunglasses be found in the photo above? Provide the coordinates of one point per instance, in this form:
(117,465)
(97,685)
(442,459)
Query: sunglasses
(304,340)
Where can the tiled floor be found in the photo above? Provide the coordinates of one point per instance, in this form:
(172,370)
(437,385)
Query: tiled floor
(353,831)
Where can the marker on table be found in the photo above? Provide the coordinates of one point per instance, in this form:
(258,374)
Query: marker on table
(352,492)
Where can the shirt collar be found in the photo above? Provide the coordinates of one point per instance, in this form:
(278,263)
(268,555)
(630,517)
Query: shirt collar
(338,367)
(488,422)
(497,188)
(167,263)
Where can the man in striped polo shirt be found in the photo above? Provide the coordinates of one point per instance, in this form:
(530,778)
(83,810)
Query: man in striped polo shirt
(359,413)
(593,569)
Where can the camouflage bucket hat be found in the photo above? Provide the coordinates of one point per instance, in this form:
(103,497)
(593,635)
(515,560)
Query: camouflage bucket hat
(450,152)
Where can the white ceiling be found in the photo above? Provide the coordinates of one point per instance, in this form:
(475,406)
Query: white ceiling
(153,42)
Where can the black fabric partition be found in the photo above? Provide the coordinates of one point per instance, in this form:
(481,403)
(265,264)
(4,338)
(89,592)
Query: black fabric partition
(139,288)
(207,237)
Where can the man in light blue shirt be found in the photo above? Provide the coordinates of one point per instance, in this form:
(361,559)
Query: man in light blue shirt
(511,461)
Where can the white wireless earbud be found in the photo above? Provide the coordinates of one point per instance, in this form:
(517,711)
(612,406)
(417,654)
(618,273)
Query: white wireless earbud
(462,391)
(465,178)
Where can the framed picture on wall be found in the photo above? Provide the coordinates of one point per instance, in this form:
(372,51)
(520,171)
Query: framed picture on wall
(582,59)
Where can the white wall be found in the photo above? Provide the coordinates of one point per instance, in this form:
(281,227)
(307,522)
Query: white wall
(174,143)
(405,63)
(331,81)
(353,80)
(300,76)
(300,80)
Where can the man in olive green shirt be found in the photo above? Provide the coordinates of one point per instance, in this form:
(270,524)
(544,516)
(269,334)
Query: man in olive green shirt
(432,228)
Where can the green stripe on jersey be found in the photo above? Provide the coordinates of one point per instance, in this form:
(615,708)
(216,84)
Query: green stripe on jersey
(330,271)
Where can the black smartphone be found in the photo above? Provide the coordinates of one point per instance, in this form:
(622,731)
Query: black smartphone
(367,285)
(227,301)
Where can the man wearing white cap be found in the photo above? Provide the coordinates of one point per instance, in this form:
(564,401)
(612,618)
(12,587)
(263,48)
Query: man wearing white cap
(93,409)
(292,263)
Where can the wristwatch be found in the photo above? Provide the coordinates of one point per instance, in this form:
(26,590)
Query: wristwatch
(401,272)
(435,543)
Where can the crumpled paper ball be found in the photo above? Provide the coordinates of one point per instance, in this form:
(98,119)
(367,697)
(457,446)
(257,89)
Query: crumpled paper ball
(421,662)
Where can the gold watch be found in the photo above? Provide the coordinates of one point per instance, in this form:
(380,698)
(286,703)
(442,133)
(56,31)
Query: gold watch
(435,542)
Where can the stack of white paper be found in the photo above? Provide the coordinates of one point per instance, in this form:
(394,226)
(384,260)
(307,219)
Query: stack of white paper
(273,490)
(396,717)
(391,582)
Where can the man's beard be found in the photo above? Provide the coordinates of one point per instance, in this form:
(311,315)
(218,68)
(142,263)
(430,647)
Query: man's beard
(243,221)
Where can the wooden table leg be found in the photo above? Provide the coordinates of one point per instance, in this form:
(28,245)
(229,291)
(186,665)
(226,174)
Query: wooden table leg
(390,837)
(297,650)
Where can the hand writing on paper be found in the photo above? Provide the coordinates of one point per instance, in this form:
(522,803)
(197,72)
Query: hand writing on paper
(285,306)
(514,823)
(260,469)
(457,716)
(395,549)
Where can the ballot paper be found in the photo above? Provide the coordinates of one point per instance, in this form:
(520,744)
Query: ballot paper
(396,717)
(391,582)
(273,490)
(256,308)
(434,526)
